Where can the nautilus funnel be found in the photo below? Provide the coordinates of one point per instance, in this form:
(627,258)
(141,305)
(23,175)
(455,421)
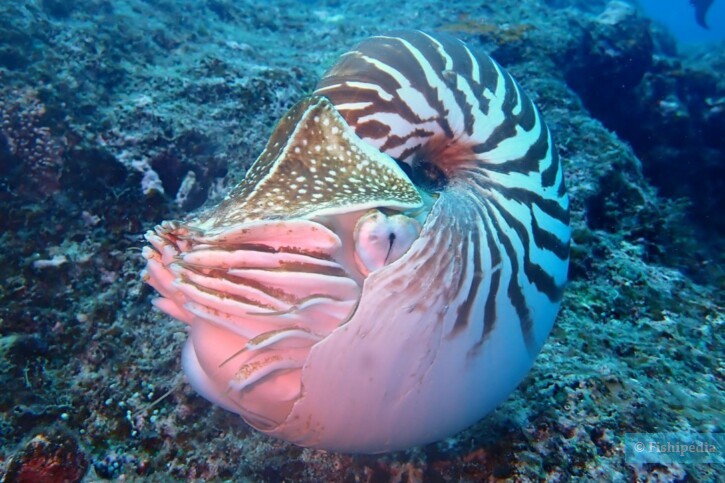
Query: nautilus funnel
(391,264)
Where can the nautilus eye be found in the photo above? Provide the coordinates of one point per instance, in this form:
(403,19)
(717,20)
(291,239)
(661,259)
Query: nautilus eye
(391,264)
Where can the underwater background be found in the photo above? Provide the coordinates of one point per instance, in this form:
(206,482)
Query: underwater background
(679,19)
(117,115)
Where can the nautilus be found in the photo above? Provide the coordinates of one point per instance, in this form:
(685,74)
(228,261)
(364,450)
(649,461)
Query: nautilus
(389,267)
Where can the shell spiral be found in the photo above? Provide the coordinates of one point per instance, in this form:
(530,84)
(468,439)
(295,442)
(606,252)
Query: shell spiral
(392,263)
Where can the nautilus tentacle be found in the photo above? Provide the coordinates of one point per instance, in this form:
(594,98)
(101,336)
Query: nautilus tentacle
(392,263)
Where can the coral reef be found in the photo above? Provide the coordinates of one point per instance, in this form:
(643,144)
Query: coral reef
(116,115)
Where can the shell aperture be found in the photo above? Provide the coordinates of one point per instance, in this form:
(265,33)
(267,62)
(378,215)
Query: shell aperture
(339,301)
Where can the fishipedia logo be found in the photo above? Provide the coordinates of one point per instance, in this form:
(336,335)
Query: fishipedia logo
(674,448)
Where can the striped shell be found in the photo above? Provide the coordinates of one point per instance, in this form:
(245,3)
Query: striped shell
(392,263)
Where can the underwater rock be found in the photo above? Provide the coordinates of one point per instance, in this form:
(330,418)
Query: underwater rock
(53,456)
(614,55)
(671,110)
(31,155)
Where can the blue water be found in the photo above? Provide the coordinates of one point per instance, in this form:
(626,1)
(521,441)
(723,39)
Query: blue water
(678,16)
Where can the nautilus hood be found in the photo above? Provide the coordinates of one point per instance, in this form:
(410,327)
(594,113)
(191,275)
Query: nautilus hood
(391,264)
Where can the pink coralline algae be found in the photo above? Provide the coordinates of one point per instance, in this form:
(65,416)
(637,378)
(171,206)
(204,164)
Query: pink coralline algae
(48,457)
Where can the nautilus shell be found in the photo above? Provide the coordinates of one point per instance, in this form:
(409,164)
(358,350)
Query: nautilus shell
(391,264)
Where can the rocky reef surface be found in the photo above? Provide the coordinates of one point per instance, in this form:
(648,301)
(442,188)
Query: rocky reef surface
(117,115)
